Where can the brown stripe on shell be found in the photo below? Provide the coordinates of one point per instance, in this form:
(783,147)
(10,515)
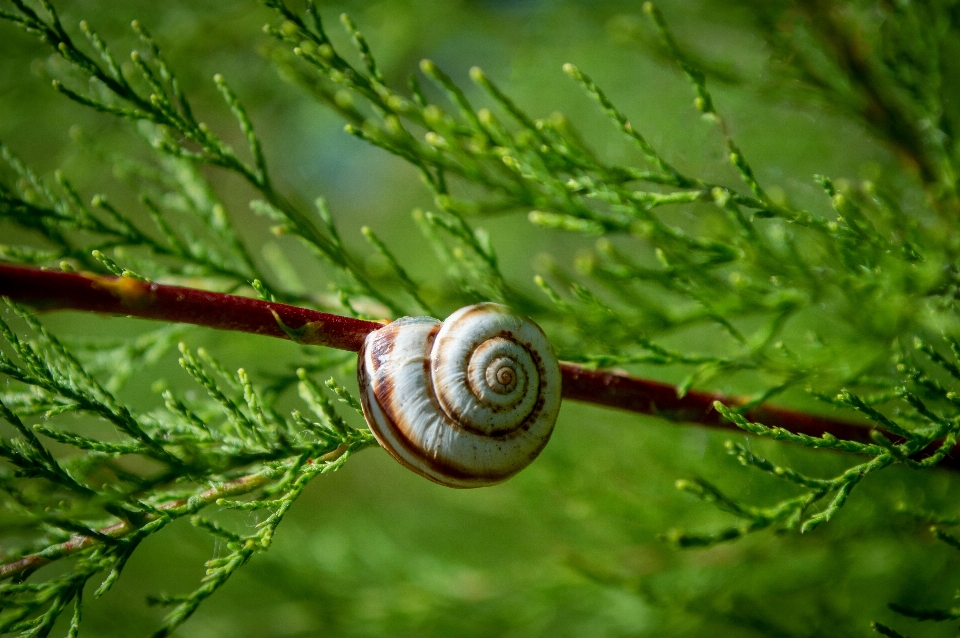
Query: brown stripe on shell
(399,435)
(438,465)
(382,347)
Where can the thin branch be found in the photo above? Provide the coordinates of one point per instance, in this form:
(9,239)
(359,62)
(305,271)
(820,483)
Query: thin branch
(241,485)
(52,290)
(624,392)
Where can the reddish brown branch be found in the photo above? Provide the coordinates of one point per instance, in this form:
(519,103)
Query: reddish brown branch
(660,399)
(52,290)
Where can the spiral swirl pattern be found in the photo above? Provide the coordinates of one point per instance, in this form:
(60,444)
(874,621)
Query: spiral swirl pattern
(465,403)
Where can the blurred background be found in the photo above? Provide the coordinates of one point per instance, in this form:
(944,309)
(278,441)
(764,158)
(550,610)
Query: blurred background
(571,546)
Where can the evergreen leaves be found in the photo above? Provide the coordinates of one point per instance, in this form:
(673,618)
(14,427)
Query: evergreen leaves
(780,291)
(232,444)
(926,434)
(751,260)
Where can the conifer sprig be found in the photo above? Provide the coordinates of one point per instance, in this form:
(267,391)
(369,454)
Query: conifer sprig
(929,426)
(154,96)
(890,78)
(233,444)
(751,269)
(863,261)
(936,614)
(789,298)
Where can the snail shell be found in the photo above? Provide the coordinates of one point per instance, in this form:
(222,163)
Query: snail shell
(465,403)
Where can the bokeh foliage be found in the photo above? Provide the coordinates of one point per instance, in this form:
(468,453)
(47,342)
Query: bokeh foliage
(745,277)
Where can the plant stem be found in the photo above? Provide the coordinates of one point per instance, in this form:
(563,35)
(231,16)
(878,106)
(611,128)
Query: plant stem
(52,290)
(660,399)
(172,509)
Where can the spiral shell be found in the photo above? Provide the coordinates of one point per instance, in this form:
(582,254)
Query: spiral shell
(465,403)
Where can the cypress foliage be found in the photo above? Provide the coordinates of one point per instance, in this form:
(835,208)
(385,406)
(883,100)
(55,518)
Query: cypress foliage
(846,302)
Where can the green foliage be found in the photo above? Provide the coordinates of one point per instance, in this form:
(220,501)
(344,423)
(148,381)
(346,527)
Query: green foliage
(231,443)
(923,427)
(711,280)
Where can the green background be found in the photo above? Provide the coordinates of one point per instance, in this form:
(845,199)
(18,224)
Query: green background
(569,547)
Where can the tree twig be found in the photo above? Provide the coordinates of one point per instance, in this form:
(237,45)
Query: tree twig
(53,290)
(176,508)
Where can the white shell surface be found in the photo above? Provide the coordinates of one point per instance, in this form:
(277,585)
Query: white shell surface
(466,403)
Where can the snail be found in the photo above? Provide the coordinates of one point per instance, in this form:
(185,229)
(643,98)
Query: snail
(467,402)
